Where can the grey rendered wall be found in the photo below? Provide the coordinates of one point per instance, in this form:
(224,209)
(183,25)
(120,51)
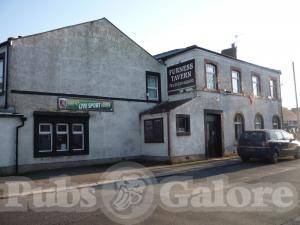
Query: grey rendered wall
(224,78)
(194,143)
(89,59)
(230,105)
(94,58)
(155,149)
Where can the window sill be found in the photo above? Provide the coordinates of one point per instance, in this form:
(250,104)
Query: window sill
(153,100)
(60,153)
(154,142)
(183,133)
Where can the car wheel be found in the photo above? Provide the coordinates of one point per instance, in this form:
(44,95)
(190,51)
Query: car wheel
(274,158)
(245,159)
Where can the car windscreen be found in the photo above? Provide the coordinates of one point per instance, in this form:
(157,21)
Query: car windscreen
(253,136)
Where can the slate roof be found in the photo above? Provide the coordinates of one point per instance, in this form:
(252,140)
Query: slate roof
(165,106)
(169,54)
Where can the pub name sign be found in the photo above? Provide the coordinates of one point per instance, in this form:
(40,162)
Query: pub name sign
(76,104)
(180,76)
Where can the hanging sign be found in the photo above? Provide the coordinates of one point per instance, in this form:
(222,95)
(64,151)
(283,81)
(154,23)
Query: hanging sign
(181,75)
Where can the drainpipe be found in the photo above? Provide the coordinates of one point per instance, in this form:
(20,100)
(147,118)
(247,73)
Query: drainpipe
(23,119)
(169,141)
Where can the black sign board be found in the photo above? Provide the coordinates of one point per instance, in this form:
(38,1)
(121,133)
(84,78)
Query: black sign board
(181,75)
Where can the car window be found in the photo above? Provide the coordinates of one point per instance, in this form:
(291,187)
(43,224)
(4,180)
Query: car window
(279,135)
(286,135)
(273,135)
(253,136)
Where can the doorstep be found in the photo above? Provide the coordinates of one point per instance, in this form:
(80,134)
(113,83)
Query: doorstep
(93,175)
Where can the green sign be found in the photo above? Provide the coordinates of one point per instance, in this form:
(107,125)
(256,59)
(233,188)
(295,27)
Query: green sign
(75,104)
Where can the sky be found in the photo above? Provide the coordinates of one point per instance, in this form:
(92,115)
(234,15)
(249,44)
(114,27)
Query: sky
(268,32)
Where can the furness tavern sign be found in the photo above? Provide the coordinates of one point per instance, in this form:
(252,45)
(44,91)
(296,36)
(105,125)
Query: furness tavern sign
(180,76)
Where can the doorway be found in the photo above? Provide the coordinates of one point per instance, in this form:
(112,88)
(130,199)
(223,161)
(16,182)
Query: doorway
(213,133)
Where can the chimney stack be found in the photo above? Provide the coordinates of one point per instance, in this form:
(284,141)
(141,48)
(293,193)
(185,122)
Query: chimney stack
(231,52)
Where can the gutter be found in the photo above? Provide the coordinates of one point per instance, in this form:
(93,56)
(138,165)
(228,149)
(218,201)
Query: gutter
(23,119)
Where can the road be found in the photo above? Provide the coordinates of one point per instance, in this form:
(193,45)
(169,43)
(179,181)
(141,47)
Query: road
(287,170)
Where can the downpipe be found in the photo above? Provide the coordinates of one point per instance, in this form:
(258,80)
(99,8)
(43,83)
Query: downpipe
(23,119)
(169,136)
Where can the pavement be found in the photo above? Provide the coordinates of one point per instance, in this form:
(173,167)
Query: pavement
(91,176)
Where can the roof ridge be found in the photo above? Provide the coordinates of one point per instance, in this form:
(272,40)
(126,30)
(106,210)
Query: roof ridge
(192,47)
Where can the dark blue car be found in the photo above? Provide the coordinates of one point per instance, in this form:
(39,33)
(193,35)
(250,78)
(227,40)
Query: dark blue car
(267,144)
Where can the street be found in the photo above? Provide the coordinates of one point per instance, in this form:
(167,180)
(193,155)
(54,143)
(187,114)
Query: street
(287,170)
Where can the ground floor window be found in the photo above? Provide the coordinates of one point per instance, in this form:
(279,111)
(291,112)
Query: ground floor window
(238,125)
(154,130)
(58,134)
(45,137)
(62,137)
(276,122)
(258,122)
(78,136)
(183,125)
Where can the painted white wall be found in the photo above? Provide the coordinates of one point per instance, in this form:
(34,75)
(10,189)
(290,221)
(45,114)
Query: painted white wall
(93,58)
(8,140)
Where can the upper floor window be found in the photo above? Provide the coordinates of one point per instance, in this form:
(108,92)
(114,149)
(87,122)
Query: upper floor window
(211,76)
(2,61)
(256,85)
(236,81)
(153,86)
(238,125)
(258,122)
(273,89)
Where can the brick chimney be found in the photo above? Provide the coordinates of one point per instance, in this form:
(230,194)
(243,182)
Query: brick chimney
(232,52)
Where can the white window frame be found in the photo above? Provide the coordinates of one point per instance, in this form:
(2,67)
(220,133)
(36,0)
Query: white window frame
(236,79)
(256,91)
(277,122)
(214,73)
(78,132)
(64,133)
(261,122)
(46,133)
(238,123)
(152,88)
(273,89)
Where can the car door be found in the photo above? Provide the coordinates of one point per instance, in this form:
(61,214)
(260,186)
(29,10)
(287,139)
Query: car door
(281,143)
(288,145)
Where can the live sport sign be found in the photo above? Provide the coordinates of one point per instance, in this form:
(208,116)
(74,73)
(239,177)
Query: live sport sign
(75,104)
(181,75)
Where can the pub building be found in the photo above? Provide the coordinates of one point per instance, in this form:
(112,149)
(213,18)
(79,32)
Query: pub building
(88,94)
